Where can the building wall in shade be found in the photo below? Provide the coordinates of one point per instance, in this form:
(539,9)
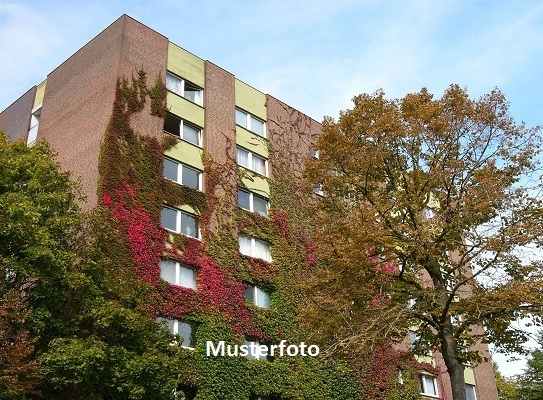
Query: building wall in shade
(15,120)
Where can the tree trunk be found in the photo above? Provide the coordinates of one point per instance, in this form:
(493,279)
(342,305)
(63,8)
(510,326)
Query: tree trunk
(455,369)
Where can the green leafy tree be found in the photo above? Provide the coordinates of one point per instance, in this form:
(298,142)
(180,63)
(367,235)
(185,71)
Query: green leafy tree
(531,381)
(508,387)
(19,374)
(39,221)
(112,348)
(427,212)
(74,318)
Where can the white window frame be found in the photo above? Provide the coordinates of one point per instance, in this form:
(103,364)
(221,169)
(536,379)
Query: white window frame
(199,98)
(253,247)
(179,213)
(193,284)
(195,127)
(175,331)
(251,202)
(256,296)
(424,385)
(250,160)
(248,122)
(180,167)
(182,124)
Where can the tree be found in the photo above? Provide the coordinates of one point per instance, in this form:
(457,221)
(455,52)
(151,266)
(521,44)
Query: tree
(508,387)
(39,220)
(19,374)
(111,346)
(531,381)
(429,207)
(74,318)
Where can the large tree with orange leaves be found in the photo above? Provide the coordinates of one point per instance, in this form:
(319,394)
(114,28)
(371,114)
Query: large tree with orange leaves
(430,208)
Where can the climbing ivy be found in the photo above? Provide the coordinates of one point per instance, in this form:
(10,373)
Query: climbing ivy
(132,191)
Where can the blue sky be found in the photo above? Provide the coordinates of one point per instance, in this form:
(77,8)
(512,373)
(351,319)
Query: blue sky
(313,54)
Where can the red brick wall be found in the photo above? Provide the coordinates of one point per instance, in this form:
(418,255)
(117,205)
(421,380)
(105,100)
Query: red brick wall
(80,92)
(485,381)
(143,48)
(219,101)
(220,128)
(15,120)
(291,134)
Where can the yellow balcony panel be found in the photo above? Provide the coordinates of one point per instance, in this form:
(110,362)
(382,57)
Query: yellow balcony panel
(186,65)
(469,375)
(186,153)
(40,92)
(250,100)
(252,142)
(255,183)
(187,208)
(426,359)
(185,109)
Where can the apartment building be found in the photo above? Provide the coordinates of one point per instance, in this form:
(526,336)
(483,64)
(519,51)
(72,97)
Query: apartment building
(217,166)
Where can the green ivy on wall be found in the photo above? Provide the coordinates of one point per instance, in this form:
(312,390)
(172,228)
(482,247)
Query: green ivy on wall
(133,190)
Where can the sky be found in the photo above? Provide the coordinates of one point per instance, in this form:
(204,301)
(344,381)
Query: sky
(315,55)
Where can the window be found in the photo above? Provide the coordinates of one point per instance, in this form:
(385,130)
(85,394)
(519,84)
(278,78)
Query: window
(470,392)
(314,153)
(254,351)
(250,122)
(185,393)
(177,274)
(319,189)
(34,125)
(400,377)
(251,161)
(182,174)
(257,296)
(184,88)
(252,202)
(413,338)
(428,385)
(253,247)
(185,130)
(185,330)
(180,222)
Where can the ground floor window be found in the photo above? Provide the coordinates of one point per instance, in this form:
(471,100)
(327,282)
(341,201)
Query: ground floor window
(428,385)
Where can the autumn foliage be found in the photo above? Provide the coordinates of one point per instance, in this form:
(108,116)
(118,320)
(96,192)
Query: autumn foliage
(446,190)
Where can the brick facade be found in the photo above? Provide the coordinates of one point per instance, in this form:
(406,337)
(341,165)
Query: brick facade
(291,134)
(80,92)
(15,120)
(220,126)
